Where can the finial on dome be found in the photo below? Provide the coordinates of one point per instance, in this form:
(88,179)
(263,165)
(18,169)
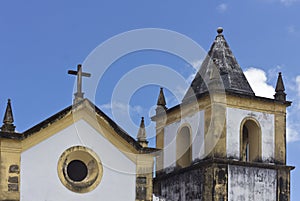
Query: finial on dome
(220,30)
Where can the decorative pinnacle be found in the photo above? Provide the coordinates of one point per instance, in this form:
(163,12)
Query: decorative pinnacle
(8,119)
(142,136)
(161,102)
(220,30)
(279,85)
(161,98)
(280,94)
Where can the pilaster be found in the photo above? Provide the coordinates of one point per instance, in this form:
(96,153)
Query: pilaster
(10,154)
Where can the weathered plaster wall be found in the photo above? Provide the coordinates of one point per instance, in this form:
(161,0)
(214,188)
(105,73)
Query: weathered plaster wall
(196,123)
(184,187)
(234,118)
(251,184)
(39,168)
(9,169)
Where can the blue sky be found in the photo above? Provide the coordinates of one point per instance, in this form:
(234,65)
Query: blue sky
(41,40)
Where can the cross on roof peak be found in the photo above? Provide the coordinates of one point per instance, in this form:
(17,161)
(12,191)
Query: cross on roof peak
(79,95)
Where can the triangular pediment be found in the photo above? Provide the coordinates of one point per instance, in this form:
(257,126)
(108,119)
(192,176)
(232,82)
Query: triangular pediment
(91,114)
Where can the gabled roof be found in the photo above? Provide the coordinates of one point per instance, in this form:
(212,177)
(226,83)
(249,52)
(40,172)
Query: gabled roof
(56,117)
(220,58)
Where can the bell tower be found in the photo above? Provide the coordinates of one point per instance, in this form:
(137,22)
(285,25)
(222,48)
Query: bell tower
(223,142)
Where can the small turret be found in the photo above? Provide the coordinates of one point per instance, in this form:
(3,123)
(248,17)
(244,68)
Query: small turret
(161,102)
(142,136)
(280,95)
(8,119)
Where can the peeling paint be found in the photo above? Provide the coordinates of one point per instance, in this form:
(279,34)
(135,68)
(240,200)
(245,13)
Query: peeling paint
(234,119)
(184,187)
(250,183)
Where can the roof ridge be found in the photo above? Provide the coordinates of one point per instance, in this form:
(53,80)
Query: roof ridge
(59,115)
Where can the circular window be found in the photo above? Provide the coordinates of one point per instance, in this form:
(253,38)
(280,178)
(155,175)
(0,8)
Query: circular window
(79,169)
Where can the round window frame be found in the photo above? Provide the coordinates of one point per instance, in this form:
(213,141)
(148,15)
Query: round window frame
(90,159)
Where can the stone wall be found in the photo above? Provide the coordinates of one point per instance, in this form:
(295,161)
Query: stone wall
(185,186)
(222,180)
(250,183)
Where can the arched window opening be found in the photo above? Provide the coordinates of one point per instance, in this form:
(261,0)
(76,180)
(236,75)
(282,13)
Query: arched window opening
(183,148)
(250,141)
(245,144)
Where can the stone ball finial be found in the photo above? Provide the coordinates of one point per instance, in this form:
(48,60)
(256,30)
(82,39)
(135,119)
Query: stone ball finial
(220,30)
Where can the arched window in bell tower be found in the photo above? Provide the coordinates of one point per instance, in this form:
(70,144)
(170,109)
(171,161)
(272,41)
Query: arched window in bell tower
(183,147)
(245,144)
(250,141)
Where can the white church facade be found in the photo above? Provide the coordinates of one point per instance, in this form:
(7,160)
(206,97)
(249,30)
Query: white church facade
(221,143)
(77,154)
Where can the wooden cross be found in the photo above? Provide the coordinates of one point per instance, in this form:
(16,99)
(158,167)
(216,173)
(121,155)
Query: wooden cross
(79,73)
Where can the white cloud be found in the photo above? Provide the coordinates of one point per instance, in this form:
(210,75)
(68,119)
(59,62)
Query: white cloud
(291,29)
(197,64)
(120,113)
(109,106)
(123,108)
(124,115)
(288,2)
(283,2)
(293,126)
(222,7)
(258,81)
(273,72)
(295,87)
(298,84)
(292,134)
(179,92)
(191,77)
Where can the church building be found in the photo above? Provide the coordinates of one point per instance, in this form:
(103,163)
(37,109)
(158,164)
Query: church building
(222,142)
